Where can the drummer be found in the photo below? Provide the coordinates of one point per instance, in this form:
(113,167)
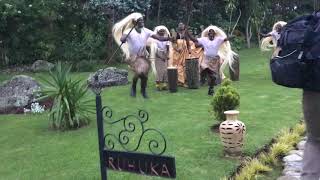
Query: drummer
(212,62)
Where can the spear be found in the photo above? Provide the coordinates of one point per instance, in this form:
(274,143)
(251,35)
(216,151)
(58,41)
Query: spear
(121,44)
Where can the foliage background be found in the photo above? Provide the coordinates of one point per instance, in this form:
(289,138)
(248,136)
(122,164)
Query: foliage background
(80,30)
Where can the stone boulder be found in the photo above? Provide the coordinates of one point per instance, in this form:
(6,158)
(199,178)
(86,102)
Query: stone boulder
(41,65)
(17,93)
(110,76)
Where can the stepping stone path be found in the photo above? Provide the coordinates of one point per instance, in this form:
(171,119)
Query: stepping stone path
(293,163)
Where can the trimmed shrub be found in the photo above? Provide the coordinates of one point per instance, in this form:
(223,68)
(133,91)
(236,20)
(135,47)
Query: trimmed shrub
(225,98)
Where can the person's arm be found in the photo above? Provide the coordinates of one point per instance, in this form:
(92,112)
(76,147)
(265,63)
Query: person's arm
(187,37)
(160,38)
(195,40)
(198,45)
(198,42)
(175,47)
(191,37)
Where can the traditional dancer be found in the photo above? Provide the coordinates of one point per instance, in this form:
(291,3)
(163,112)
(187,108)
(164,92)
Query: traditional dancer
(132,36)
(159,55)
(216,48)
(270,40)
(181,50)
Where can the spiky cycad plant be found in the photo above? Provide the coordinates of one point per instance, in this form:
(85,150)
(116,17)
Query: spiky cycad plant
(71,101)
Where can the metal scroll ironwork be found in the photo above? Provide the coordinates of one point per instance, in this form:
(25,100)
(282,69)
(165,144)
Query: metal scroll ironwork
(131,124)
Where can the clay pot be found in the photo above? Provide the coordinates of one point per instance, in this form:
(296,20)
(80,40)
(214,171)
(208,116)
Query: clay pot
(232,133)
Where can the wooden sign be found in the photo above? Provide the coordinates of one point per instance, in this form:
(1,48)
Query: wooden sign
(140,163)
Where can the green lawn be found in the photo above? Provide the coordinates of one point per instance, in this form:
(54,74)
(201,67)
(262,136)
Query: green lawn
(30,151)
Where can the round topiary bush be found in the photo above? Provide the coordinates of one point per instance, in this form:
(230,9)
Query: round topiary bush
(225,98)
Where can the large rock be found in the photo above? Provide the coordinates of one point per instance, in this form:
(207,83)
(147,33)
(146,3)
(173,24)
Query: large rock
(288,178)
(292,158)
(301,145)
(110,76)
(17,93)
(41,65)
(297,152)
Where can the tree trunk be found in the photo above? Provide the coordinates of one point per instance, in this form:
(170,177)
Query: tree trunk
(248,32)
(316,5)
(230,19)
(159,12)
(192,73)
(202,9)
(189,10)
(113,22)
(235,25)
(235,70)
(258,36)
(147,15)
(258,27)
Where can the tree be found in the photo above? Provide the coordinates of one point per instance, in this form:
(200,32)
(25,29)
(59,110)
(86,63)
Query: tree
(230,7)
(259,14)
(159,9)
(249,32)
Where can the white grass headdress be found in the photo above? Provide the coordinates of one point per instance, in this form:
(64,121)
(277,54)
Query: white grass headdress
(266,42)
(225,52)
(123,27)
(153,45)
(158,28)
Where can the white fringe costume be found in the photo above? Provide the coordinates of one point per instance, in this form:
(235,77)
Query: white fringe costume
(139,64)
(125,25)
(134,49)
(225,52)
(153,46)
(266,44)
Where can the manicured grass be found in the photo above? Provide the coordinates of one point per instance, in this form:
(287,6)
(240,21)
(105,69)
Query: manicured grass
(29,150)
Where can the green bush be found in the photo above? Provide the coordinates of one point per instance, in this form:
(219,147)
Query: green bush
(72,104)
(238,43)
(225,98)
(50,30)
